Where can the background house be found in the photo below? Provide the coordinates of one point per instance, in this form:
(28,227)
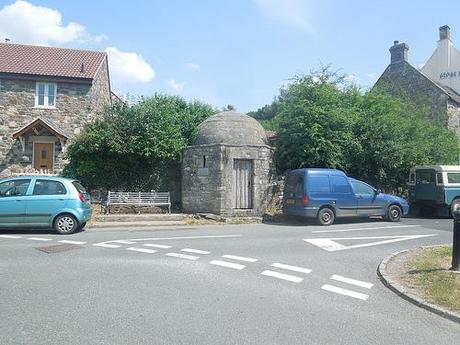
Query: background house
(435,86)
(47,95)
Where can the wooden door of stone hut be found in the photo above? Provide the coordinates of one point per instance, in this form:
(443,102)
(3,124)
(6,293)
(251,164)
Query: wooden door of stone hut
(242,183)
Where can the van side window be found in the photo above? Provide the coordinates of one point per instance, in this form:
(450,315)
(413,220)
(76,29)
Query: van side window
(318,184)
(453,177)
(340,185)
(439,178)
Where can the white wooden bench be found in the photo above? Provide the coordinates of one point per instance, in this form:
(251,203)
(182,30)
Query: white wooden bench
(137,199)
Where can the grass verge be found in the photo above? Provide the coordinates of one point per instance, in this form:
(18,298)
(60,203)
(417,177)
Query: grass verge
(428,273)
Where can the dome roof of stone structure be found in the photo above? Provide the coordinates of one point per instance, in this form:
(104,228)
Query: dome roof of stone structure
(231,128)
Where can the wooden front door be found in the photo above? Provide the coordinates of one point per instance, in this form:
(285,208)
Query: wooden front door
(44,156)
(242,183)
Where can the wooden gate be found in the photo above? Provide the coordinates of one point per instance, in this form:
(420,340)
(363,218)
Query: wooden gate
(242,183)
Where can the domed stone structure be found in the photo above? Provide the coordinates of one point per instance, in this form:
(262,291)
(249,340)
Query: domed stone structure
(228,170)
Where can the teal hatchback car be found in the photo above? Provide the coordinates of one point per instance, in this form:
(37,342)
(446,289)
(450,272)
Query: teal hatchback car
(44,202)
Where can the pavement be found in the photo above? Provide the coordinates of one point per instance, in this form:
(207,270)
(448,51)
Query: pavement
(233,284)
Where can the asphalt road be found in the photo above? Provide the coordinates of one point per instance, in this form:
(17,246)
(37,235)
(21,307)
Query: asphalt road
(239,284)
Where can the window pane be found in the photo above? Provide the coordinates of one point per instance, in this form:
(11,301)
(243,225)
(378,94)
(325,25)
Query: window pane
(439,178)
(79,187)
(425,176)
(41,89)
(14,188)
(340,185)
(51,90)
(362,188)
(45,187)
(318,184)
(41,100)
(453,177)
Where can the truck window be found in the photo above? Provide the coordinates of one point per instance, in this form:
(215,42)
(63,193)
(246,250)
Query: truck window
(425,177)
(318,184)
(439,179)
(453,177)
(340,185)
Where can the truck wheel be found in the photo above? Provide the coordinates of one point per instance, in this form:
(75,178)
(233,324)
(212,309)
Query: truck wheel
(455,206)
(325,216)
(394,213)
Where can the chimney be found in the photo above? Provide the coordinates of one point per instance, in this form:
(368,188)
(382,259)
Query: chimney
(398,52)
(82,68)
(444,33)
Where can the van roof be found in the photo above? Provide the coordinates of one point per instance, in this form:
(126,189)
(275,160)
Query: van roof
(318,170)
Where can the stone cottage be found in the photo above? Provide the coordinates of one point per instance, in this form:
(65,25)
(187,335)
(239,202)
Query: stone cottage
(228,170)
(47,95)
(435,86)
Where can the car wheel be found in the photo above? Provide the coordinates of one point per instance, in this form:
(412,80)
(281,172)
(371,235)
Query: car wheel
(326,216)
(455,206)
(65,224)
(394,213)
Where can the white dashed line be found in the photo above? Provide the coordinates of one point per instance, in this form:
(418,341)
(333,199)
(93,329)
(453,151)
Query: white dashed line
(196,251)
(345,292)
(227,264)
(142,250)
(157,246)
(283,276)
(352,281)
(106,245)
(39,239)
(10,236)
(240,258)
(183,237)
(183,256)
(72,242)
(122,242)
(292,268)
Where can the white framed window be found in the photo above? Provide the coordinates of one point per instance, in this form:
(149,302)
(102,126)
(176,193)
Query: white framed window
(45,95)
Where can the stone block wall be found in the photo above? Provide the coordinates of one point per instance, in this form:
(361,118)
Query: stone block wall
(402,79)
(100,95)
(207,178)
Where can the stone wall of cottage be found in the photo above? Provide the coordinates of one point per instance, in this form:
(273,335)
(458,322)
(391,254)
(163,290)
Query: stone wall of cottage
(207,179)
(402,79)
(74,108)
(100,95)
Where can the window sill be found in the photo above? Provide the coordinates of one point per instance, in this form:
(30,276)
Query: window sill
(47,108)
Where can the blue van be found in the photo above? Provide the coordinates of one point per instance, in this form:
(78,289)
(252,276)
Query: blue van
(327,194)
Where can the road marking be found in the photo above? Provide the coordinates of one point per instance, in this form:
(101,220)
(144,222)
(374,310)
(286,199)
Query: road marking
(183,256)
(122,242)
(10,236)
(157,246)
(183,238)
(227,264)
(106,245)
(331,245)
(196,251)
(352,281)
(345,292)
(292,268)
(39,239)
(142,250)
(361,229)
(239,258)
(283,276)
(72,242)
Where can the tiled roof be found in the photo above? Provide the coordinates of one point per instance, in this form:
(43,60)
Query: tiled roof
(49,61)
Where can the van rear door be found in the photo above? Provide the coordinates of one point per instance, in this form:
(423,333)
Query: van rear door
(425,185)
(294,191)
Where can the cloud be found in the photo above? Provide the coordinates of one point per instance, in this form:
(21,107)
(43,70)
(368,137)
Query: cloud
(294,13)
(176,86)
(351,78)
(193,66)
(126,67)
(23,22)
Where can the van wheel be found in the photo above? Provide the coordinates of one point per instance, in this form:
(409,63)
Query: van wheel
(394,213)
(325,216)
(65,224)
(455,206)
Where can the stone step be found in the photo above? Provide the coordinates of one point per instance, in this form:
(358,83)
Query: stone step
(138,224)
(164,217)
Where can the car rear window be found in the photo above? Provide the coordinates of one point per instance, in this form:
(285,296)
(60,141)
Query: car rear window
(79,187)
(294,185)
